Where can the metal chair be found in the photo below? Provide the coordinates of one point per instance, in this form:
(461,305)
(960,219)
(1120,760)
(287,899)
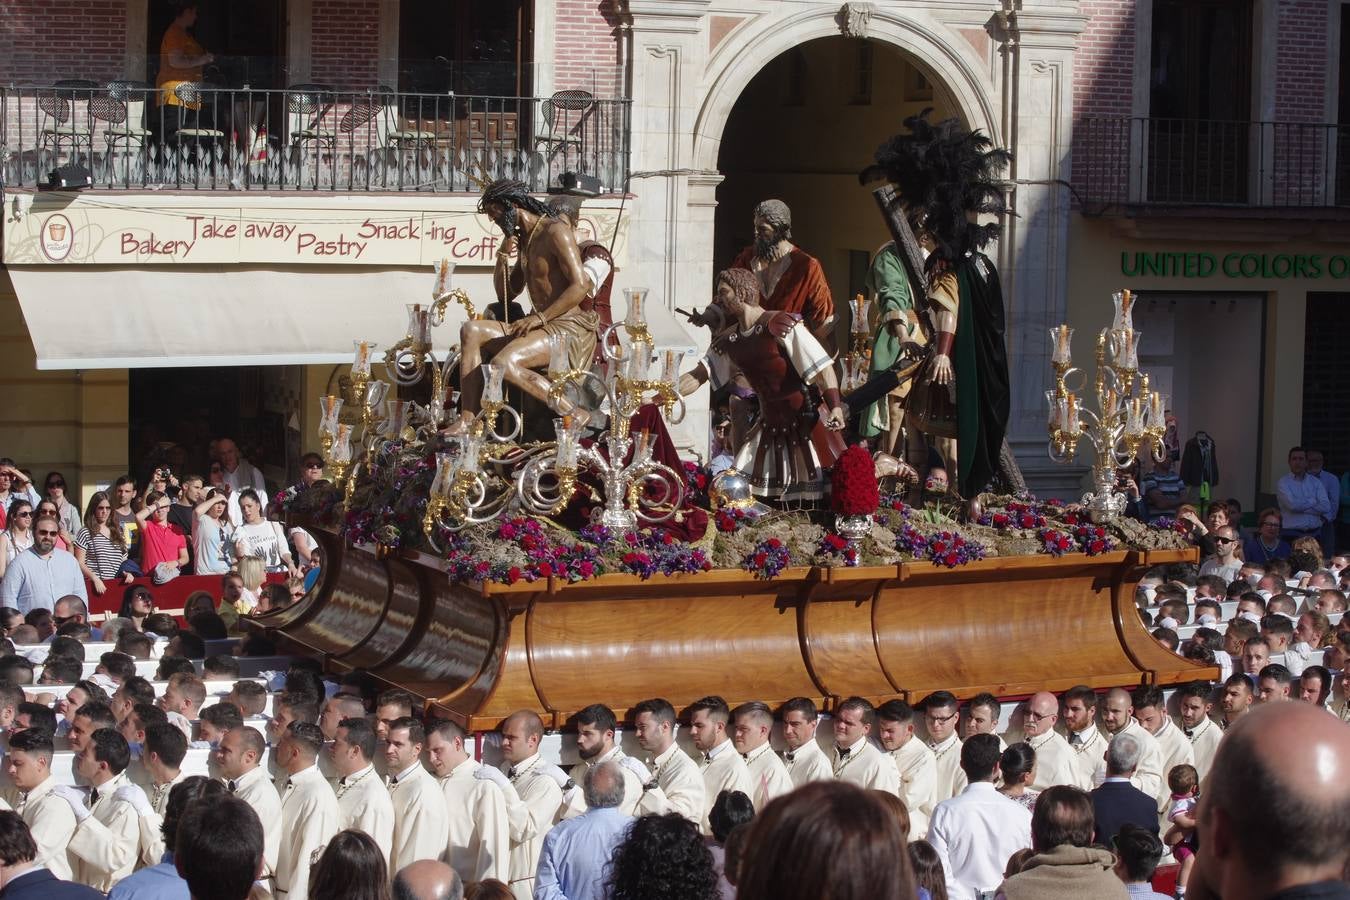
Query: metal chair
(560,123)
(190,95)
(59,124)
(122,111)
(306,107)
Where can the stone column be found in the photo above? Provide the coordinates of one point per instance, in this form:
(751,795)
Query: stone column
(671,212)
(1038,42)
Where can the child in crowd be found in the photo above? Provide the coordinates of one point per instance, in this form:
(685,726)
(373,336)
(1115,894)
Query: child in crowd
(1184,782)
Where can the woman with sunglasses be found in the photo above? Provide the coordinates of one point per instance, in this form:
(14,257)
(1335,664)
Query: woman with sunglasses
(67,512)
(18,534)
(100,546)
(137,603)
(211,531)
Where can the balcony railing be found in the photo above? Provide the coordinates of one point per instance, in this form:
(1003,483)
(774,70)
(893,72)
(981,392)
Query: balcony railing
(307,138)
(1133,161)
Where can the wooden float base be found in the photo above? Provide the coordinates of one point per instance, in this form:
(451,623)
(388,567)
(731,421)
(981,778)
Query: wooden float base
(476,653)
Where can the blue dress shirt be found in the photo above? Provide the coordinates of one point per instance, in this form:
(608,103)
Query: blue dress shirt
(161,882)
(574,860)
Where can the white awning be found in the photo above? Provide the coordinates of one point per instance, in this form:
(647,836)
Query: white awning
(100,317)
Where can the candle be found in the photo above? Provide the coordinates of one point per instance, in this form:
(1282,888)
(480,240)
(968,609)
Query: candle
(1060,338)
(470,445)
(330,407)
(419,324)
(1124,318)
(1157,412)
(565,430)
(639,362)
(635,296)
(361,364)
(558,364)
(395,417)
(492,382)
(445,468)
(859,325)
(342,445)
(444,270)
(670,366)
(1134,419)
(1054,414)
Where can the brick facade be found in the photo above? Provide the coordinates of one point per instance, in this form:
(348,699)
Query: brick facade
(42,41)
(1301,61)
(346,43)
(587,48)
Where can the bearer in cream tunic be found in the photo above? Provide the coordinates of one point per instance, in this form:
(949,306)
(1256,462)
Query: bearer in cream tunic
(421,819)
(478,798)
(807,763)
(676,785)
(1117,714)
(1176,750)
(362,798)
(917,769)
(632,780)
(309,808)
(541,801)
(240,757)
(104,848)
(804,759)
(752,724)
(951,779)
(1204,739)
(49,817)
(1088,748)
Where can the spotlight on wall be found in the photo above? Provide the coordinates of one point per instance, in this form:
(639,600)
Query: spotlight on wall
(579,183)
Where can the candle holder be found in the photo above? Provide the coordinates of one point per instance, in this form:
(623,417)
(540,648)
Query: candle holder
(1127,417)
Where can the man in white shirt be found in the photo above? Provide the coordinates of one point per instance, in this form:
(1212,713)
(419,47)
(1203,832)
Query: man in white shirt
(1085,739)
(976,832)
(239,760)
(804,760)
(338,707)
(477,798)
(309,809)
(165,748)
(913,760)
(596,727)
(421,820)
(940,716)
(1118,718)
(1304,504)
(48,816)
(239,473)
(676,784)
(721,766)
(543,787)
(855,758)
(363,800)
(1194,705)
(1054,756)
(751,725)
(39,576)
(1150,711)
(106,843)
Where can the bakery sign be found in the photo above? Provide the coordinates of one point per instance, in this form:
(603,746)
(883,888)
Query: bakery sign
(154,229)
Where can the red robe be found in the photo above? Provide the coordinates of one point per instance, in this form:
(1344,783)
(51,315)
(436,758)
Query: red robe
(802,289)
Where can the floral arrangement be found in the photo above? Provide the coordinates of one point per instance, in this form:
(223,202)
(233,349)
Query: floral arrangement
(1055,542)
(835,550)
(1017,514)
(767,559)
(853,483)
(944,548)
(730,518)
(696,481)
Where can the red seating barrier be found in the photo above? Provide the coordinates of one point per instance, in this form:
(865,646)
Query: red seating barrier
(170,595)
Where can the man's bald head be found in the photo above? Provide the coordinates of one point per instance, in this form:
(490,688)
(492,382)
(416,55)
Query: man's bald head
(427,879)
(1042,713)
(1275,812)
(527,719)
(1116,709)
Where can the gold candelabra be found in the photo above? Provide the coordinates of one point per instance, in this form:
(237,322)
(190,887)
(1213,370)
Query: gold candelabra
(1125,419)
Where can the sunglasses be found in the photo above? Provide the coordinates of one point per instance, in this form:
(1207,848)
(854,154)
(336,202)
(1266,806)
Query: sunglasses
(48,533)
(1270,524)
(56,484)
(1224,540)
(313,465)
(102,508)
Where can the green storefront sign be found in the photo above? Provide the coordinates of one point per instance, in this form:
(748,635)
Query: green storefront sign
(1170,264)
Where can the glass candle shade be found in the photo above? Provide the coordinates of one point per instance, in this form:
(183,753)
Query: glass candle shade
(361,361)
(330,407)
(493,373)
(1060,338)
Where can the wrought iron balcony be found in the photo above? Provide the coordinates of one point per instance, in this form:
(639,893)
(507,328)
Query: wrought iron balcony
(1129,162)
(134,136)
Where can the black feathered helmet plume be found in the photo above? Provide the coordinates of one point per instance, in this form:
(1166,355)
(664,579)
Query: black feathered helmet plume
(946,175)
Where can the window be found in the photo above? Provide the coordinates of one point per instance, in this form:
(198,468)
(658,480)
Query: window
(862,74)
(474,48)
(247,37)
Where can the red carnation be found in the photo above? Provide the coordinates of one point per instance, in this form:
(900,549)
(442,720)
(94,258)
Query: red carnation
(853,483)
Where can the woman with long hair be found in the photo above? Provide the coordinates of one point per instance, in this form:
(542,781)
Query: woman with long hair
(100,546)
(260,538)
(352,867)
(18,534)
(663,858)
(137,603)
(211,530)
(825,839)
(928,872)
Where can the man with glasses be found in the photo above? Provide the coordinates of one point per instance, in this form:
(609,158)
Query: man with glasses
(1266,544)
(940,713)
(42,574)
(72,609)
(1225,562)
(1054,756)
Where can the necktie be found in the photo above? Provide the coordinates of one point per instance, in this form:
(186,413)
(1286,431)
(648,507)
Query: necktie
(289,784)
(707,757)
(1075,738)
(843,751)
(1190,732)
(789,755)
(511,772)
(231,787)
(93,798)
(745,756)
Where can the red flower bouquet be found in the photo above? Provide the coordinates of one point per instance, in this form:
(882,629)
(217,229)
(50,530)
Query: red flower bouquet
(853,483)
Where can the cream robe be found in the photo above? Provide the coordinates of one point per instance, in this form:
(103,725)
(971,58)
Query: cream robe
(421,821)
(951,778)
(918,784)
(679,786)
(480,828)
(1176,751)
(1054,760)
(1086,756)
(255,788)
(807,763)
(768,776)
(726,771)
(364,805)
(1204,740)
(52,823)
(159,795)
(531,818)
(106,845)
(632,787)
(867,767)
(1149,776)
(309,819)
